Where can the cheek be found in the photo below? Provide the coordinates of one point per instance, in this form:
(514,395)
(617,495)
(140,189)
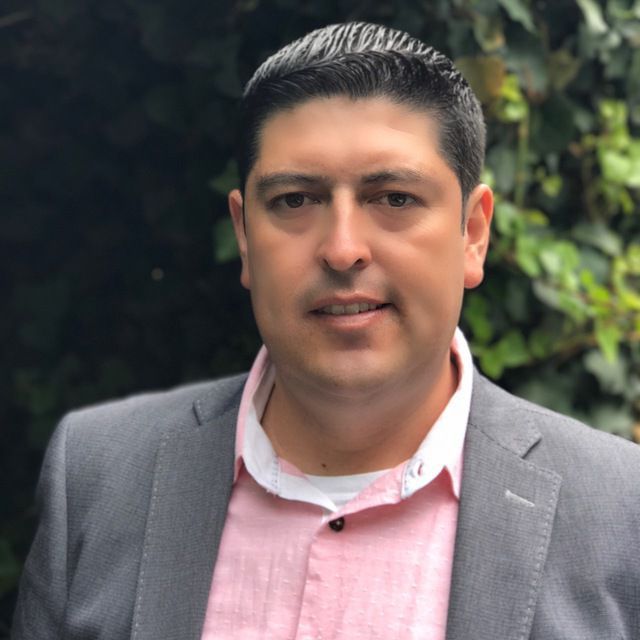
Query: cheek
(433,273)
(275,274)
(435,252)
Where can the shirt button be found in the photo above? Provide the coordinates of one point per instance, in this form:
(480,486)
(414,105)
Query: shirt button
(337,524)
(417,469)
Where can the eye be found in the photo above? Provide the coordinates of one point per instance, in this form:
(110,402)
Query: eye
(293,200)
(395,199)
(398,199)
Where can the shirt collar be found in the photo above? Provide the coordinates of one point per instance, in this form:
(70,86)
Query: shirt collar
(444,443)
(441,449)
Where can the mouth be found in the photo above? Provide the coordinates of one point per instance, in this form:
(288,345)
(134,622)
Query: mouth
(352,309)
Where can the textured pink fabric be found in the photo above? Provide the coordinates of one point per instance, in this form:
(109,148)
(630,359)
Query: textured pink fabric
(284,572)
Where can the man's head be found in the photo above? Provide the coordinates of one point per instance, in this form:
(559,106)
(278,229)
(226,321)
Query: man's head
(360,60)
(357,168)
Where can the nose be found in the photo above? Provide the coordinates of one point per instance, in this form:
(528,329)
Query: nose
(344,245)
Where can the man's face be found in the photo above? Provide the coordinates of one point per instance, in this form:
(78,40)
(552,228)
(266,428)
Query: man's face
(353,249)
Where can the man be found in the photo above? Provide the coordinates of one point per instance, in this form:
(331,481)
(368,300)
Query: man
(363,481)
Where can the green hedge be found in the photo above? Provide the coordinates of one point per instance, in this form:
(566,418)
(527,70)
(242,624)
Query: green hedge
(119,272)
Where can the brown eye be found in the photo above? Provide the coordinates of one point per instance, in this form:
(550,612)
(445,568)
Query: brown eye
(397,199)
(294,200)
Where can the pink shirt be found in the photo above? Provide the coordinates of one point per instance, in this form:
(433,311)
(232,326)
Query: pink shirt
(287,569)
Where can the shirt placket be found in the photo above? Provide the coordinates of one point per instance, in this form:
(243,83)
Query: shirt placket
(324,581)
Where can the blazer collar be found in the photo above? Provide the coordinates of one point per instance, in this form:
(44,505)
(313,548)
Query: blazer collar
(191,491)
(507,507)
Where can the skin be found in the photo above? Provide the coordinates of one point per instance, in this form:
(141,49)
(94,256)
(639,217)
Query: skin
(352,202)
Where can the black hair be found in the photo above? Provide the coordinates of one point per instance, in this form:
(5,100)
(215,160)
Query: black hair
(361,60)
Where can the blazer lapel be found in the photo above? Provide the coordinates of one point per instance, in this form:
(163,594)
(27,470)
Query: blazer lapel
(507,507)
(192,486)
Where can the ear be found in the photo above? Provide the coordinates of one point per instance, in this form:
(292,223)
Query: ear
(236,210)
(477,227)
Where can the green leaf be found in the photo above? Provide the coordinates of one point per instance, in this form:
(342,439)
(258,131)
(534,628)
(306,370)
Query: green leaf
(488,177)
(629,299)
(476,314)
(514,111)
(599,236)
(559,258)
(491,363)
(615,57)
(519,11)
(517,302)
(227,180)
(551,260)
(593,16)
(633,258)
(547,294)
(527,59)
(527,255)
(552,185)
(584,119)
(608,337)
(614,113)
(224,241)
(616,166)
(633,177)
(540,344)
(627,204)
(535,218)
(507,218)
(502,160)
(553,126)
(612,375)
(485,74)
(513,349)
(574,306)
(620,9)
(600,295)
(595,262)
(510,351)
(550,389)
(633,85)
(488,32)
(563,68)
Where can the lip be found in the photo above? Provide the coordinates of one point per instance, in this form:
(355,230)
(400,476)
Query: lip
(350,322)
(346,301)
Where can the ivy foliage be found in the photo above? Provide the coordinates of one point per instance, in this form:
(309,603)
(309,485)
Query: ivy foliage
(118,266)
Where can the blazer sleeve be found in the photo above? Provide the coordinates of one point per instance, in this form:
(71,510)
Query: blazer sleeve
(43,586)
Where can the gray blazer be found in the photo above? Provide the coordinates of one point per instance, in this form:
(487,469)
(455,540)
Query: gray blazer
(133,497)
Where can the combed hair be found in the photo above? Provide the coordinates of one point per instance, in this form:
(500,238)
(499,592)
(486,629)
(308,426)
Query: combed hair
(361,60)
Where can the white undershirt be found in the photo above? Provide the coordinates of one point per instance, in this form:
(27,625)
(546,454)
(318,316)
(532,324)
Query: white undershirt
(342,489)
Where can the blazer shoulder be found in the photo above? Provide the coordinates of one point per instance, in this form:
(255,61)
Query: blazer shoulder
(557,441)
(137,423)
(113,447)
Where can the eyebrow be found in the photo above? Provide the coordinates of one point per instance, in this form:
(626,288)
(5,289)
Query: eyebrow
(271,180)
(395,175)
(285,179)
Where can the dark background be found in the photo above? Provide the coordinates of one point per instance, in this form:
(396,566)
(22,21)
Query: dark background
(117,269)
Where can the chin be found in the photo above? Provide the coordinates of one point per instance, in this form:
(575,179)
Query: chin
(349,382)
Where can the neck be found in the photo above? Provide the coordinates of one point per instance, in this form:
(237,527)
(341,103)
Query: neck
(333,434)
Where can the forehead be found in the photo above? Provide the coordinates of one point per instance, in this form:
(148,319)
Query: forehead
(340,134)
